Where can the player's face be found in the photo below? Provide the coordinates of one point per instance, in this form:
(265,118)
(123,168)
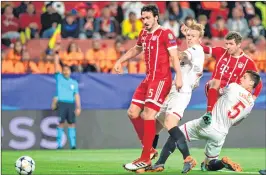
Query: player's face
(66,71)
(148,20)
(246,82)
(193,37)
(232,46)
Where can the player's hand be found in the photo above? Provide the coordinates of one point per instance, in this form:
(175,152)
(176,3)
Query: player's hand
(199,75)
(77,112)
(178,83)
(54,106)
(118,67)
(184,29)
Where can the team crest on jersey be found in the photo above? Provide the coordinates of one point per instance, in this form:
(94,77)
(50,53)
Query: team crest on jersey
(170,36)
(225,59)
(240,65)
(154,38)
(72,86)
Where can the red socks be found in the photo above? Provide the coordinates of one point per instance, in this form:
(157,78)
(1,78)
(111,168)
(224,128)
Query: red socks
(149,133)
(212,98)
(138,124)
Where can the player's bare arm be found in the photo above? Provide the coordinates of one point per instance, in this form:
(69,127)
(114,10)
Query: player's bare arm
(54,103)
(78,105)
(133,52)
(57,63)
(173,55)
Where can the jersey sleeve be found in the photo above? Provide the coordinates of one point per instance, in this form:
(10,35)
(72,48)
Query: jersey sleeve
(58,75)
(251,66)
(214,51)
(139,44)
(170,40)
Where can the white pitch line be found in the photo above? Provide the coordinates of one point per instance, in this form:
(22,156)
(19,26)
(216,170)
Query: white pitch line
(243,172)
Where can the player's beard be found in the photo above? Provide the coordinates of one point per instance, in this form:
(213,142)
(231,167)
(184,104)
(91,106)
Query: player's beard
(152,26)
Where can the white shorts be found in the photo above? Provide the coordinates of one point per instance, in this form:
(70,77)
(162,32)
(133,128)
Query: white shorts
(175,104)
(197,130)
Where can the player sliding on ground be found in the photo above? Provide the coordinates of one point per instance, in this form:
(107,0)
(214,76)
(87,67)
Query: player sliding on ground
(235,103)
(160,47)
(231,64)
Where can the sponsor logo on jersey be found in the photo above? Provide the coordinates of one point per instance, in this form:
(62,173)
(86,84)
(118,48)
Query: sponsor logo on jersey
(172,41)
(240,65)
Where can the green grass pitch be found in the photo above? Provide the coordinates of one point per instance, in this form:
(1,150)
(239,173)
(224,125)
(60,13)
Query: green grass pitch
(109,161)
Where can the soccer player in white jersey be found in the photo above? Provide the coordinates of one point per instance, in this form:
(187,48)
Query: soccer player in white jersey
(192,60)
(232,107)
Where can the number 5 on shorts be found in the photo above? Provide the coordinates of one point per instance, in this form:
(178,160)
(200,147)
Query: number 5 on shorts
(150,93)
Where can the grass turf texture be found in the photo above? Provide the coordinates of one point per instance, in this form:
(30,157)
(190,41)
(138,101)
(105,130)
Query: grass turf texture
(108,161)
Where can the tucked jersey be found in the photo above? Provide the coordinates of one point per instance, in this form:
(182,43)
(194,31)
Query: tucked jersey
(66,88)
(230,69)
(190,67)
(155,46)
(234,105)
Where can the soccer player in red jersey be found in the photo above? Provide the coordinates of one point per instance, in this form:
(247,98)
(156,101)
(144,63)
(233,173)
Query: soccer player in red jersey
(160,47)
(231,64)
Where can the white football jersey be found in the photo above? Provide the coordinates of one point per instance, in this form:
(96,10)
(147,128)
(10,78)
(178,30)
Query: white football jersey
(190,67)
(234,105)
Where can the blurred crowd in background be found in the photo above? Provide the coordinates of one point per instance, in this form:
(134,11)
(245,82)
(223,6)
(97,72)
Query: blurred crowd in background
(100,22)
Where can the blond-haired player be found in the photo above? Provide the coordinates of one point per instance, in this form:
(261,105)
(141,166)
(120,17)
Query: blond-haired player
(192,60)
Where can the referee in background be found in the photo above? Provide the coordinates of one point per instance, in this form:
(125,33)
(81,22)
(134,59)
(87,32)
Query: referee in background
(67,102)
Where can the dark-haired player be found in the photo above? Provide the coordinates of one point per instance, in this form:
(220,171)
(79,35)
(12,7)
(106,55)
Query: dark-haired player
(159,47)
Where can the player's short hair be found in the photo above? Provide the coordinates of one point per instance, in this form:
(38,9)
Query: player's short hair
(151,8)
(198,27)
(235,36)
(254,77)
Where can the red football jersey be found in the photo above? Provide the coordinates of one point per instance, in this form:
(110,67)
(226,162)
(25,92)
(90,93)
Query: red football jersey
(230,69)
(155,46)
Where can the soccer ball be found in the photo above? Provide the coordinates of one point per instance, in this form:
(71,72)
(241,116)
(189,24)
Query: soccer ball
(25,165)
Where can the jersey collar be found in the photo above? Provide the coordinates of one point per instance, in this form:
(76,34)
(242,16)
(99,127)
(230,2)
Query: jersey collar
(155,29)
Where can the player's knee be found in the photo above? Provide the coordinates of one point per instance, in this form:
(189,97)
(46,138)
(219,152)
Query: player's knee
(71,125)
(214,84)
(132,114)
(170,121)
(61,124)
(149,114)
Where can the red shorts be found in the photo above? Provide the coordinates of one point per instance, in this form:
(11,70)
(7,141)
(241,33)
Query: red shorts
(152,93)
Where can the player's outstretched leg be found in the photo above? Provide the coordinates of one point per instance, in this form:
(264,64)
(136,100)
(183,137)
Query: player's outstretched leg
(229,164)
(180,140)
(168,148)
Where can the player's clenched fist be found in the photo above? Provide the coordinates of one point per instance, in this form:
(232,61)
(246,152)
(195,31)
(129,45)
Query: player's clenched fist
(178,83)
(118,67)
